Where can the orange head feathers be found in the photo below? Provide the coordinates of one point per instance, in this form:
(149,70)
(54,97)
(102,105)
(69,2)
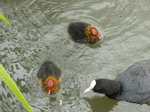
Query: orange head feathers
(92,32)
(51,84)
(49,76)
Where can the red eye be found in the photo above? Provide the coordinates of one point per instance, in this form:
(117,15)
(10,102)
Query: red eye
(93,31)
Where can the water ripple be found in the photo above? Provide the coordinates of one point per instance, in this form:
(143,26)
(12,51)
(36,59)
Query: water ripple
(39,32)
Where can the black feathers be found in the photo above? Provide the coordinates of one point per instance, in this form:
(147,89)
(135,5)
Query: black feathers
(109,87)
(77,31)
(48,68)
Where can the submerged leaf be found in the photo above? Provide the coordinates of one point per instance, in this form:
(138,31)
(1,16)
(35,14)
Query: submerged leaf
(13,87)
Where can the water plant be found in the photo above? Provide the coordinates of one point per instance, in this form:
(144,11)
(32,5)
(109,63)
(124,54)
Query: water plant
(4,19)
(13,87)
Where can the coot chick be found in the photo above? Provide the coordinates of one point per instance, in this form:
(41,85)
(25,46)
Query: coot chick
(84,33)
(49,76)
(132,85)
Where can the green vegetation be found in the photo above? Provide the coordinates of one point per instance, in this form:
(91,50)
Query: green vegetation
(13,87)
(4,19)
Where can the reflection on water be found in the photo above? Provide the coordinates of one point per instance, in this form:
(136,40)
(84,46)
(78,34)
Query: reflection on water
(39,32)
(102,104)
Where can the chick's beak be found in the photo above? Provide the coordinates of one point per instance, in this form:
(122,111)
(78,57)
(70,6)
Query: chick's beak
(99,36)
(49,91)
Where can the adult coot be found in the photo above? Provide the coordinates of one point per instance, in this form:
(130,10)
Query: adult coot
(49,76)
(82,32)
(132,85)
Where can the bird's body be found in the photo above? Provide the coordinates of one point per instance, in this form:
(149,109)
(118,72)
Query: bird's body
(49,76)
(82,32)
(135,82)
(132,85)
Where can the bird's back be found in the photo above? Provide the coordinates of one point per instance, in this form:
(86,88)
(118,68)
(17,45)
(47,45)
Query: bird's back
(48,68)
(77,30)
(135,83)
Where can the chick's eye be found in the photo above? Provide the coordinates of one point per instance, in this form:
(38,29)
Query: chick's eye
(93,34)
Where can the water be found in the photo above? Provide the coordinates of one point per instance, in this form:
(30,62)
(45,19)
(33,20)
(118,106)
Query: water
(39,32)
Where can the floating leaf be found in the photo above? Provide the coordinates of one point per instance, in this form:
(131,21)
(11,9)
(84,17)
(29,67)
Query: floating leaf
(4,19)
(13,87)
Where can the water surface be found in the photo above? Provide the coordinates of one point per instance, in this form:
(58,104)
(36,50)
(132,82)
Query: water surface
(39,32)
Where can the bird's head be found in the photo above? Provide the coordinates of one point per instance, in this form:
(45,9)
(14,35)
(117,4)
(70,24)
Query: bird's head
(95,33)
(92,32)
(51,84)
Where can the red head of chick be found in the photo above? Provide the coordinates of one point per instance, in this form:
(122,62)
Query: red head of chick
(84,33)
(49,76)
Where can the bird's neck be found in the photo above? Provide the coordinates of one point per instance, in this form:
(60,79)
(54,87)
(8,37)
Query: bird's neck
(110,88)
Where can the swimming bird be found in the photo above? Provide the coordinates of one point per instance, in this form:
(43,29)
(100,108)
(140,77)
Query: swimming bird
(86,33)
(49,76)
(132,85)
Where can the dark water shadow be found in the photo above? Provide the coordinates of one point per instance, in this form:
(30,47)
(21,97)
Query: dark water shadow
(94,46)
(102,104)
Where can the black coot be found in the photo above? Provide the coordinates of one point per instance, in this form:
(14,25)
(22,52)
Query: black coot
(132,85)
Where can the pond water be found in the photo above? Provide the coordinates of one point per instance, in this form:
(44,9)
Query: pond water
(39,32)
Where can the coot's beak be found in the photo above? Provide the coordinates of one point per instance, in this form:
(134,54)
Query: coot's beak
(88,90)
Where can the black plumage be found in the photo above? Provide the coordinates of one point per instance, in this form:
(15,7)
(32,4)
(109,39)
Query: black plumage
(132,85)
(48,68)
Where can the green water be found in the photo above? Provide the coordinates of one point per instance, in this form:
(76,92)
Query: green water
(39,32)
